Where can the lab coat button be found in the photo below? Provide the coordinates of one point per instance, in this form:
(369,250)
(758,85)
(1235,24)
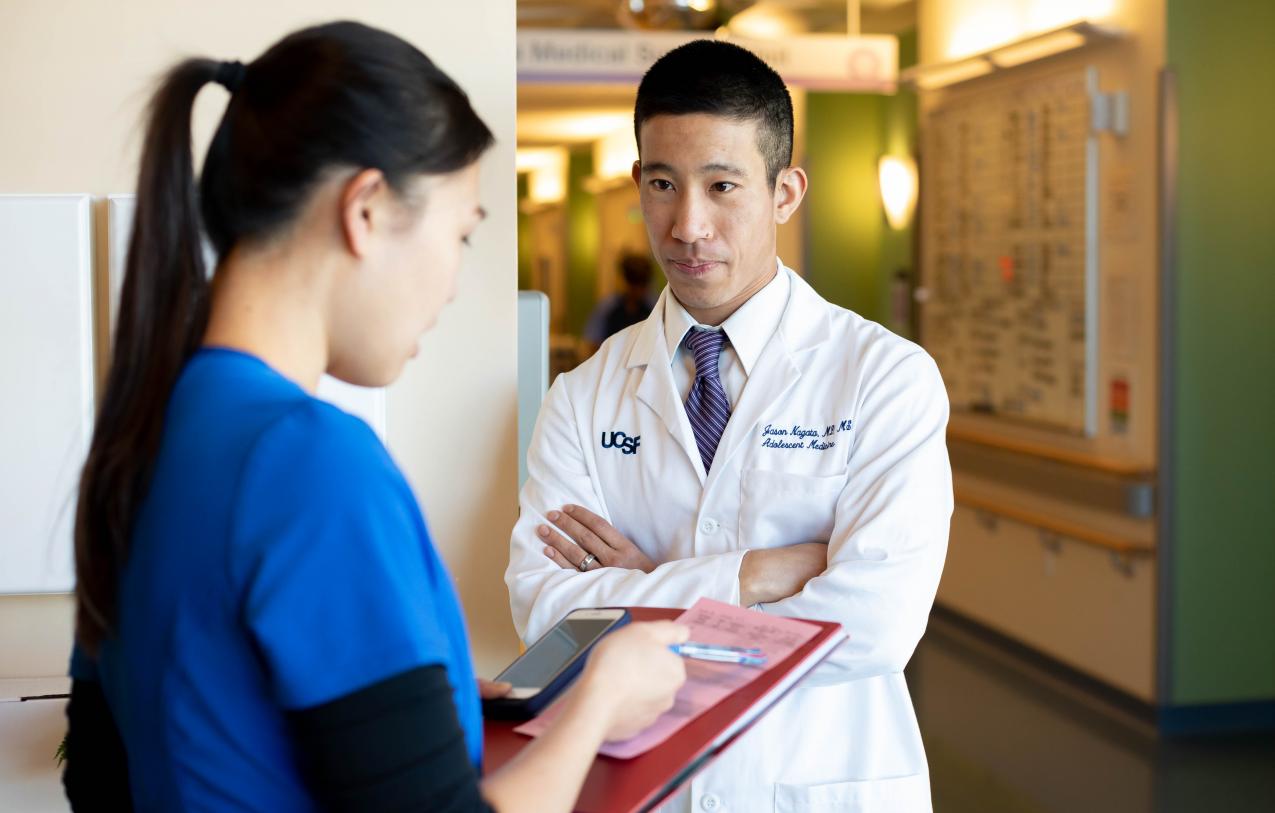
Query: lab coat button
(709,526)
(709,802)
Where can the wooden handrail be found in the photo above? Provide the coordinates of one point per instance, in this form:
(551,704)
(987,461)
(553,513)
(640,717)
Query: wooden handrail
(1062,527)
(1050,452)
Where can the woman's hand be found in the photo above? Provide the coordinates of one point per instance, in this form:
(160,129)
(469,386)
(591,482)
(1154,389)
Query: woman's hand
(631,679)
(490,690)
(634,676)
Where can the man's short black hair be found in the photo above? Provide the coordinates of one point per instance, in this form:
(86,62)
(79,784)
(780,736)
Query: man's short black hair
(711,76)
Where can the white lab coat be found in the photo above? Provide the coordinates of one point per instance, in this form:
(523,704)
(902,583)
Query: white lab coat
(880,494)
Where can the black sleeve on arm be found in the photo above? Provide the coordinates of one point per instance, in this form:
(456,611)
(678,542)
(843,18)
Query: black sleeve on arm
(396,745)
(95,776)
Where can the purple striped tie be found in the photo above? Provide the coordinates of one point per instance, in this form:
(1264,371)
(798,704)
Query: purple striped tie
(706,406)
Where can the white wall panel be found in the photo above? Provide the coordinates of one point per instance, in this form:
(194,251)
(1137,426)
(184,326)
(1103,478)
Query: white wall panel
(46,364)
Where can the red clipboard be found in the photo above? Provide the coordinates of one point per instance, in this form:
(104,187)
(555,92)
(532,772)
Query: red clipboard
(639,784)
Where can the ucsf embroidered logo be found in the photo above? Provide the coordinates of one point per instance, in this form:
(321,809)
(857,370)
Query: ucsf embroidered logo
(621,441)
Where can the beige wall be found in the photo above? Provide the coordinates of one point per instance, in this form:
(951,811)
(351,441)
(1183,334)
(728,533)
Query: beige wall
(791,237)
(73,79)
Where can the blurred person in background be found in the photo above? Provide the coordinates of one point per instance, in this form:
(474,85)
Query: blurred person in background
(630,305)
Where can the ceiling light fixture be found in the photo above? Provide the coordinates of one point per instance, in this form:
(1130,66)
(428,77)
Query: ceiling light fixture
(1009,55)
(949,73)
(1035,48)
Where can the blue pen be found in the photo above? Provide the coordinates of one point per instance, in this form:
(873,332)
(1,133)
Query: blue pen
(748,656)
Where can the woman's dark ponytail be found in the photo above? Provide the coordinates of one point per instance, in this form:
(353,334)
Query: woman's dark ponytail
(162,315)
(341,96)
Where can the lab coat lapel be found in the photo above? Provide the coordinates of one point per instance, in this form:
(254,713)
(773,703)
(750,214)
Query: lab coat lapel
(805,324)
(656,387)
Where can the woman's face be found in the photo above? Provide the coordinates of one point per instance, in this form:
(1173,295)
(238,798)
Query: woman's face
(406,275)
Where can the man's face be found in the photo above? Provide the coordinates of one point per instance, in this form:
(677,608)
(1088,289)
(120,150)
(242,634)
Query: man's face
(710,211)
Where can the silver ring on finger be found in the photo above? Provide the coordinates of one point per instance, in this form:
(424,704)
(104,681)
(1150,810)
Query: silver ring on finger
(586,561)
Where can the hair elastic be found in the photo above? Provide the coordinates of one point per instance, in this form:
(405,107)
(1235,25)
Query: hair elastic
(230,75)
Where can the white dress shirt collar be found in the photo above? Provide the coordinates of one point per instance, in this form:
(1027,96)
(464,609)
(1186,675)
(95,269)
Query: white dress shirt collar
(748,328)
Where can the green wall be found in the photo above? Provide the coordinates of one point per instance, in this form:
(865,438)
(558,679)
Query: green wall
(898,137)
(852,252)
(1223,587)
(582,240)
(843,218)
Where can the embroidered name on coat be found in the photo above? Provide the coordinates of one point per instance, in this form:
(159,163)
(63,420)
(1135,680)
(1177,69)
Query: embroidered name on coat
(800,436)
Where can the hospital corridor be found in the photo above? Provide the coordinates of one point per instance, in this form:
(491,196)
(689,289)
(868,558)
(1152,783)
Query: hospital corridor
(691,406)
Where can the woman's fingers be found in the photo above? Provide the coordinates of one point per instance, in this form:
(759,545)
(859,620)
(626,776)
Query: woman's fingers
(490,689)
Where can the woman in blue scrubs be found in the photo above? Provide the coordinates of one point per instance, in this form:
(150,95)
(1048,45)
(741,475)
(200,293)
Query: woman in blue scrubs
(263,622)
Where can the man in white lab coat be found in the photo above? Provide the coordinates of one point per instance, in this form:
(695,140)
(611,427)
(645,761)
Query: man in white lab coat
(752,443)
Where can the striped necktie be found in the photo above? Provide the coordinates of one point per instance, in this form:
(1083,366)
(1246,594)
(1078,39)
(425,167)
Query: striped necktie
(706,406)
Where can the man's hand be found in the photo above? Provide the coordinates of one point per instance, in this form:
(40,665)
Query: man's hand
(771,574)
(581,533)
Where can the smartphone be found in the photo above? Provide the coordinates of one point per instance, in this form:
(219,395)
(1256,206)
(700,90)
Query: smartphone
(552,662)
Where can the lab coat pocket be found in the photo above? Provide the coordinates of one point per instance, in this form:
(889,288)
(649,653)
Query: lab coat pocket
(904,794)
(777,508)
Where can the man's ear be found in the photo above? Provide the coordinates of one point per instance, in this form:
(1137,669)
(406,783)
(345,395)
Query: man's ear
(637,174)
(790,189)
(361,203)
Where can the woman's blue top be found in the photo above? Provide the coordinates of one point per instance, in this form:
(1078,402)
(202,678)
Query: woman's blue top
(279,560)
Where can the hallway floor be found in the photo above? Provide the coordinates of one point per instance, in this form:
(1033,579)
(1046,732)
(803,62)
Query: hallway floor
(1003,735)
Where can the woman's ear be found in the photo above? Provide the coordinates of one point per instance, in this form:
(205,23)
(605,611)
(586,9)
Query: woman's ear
(362,200)
(790,188)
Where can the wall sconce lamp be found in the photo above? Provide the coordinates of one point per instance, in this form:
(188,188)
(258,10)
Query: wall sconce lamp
(897,177)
